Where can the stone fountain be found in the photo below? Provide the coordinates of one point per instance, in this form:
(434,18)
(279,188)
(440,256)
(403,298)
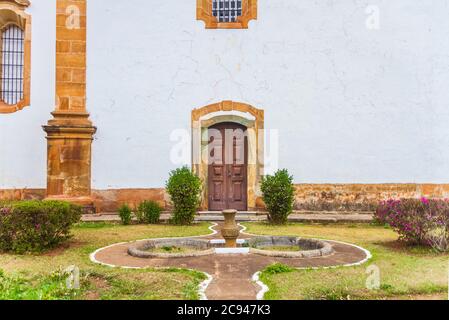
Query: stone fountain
(293,247)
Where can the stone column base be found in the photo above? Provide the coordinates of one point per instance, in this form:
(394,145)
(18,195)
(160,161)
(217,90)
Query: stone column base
(69,141)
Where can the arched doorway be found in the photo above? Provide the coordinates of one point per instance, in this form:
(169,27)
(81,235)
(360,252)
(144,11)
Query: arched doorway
(229,112)
(228,166)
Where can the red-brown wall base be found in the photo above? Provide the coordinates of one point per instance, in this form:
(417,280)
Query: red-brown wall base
(104,200)
(360,197)
(310,197)
(111,200)
(22,194)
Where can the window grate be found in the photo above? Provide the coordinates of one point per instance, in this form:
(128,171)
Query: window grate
(12,65)
(227,10)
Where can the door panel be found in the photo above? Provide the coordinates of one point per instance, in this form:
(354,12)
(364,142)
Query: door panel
(228,167)
(218,191)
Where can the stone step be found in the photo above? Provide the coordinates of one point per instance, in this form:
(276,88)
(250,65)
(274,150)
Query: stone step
(239,213)
(309,217)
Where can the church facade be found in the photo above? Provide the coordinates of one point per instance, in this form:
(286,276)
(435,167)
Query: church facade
(100,99)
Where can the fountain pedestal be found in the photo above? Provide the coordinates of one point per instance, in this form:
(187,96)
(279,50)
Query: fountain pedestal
(230,231)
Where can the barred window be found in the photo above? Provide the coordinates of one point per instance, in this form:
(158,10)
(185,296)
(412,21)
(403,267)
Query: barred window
(226,14)
(15,55)
(227,10)
(12,54)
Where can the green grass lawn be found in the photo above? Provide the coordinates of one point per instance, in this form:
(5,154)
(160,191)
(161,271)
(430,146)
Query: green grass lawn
(42,276)
(406,272)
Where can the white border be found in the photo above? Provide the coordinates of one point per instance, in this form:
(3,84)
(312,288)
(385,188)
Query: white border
(264,288)
(232,250)
(222,241)
(202,286)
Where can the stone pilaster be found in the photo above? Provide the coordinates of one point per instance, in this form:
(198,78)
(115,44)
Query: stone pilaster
(70,132)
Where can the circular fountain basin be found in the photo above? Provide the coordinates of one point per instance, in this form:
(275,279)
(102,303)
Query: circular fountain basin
(289,247)
(171,248)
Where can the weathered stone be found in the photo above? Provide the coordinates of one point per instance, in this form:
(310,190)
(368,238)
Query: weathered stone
(111,200)
(70,132)
(339,201)
(22,194)
(359,197)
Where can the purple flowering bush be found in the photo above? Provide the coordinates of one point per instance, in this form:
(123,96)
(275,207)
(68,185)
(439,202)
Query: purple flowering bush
(418,221)
(36,226)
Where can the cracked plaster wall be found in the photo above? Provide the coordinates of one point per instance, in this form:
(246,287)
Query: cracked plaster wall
(352,105)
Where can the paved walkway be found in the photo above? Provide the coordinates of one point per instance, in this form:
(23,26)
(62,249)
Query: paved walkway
(232,273)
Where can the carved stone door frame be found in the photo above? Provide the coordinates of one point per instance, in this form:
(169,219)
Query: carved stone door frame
(229,111)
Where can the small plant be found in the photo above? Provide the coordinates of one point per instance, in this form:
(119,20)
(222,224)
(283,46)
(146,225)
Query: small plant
(36,226)
(277,268)
(184,189)
(125,214)
(278,195)
(149,212)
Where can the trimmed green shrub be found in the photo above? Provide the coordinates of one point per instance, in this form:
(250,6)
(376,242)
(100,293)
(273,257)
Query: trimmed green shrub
(125,214)
(36,226)
(184,189)
(278,195)
(149,212)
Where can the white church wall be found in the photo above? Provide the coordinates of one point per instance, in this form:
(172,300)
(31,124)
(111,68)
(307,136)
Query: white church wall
(352,104)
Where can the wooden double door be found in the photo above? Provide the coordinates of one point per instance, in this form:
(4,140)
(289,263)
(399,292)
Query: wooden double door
(228,167)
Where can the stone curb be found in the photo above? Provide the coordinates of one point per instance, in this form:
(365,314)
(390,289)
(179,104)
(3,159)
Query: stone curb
(325,250)
(140,251)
